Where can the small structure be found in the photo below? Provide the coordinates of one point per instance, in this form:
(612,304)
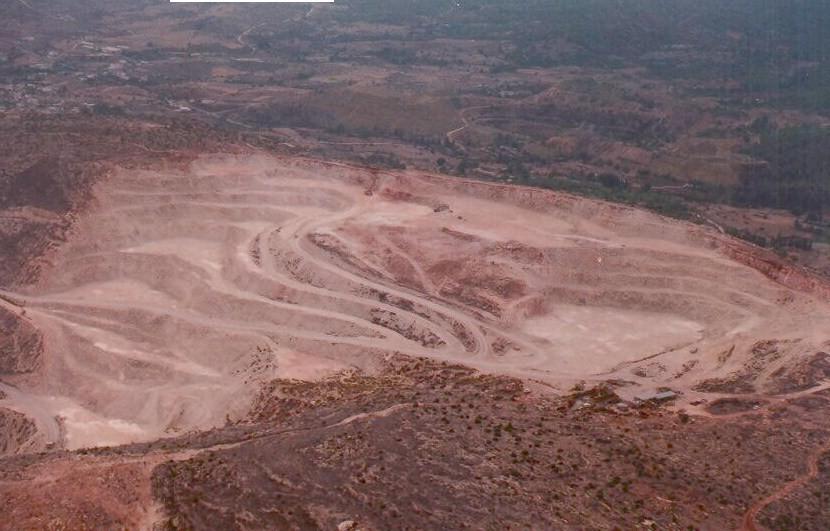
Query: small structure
(657,397)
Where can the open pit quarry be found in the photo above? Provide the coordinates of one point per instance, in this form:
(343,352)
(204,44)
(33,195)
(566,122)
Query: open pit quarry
(179,292)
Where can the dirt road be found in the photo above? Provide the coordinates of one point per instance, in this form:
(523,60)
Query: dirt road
(749,522)
(182,291)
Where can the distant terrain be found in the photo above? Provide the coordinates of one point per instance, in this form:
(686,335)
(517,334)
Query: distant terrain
(690,109)
(415,265)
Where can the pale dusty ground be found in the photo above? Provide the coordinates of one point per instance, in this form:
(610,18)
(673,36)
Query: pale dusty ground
(179,292)
(593,340)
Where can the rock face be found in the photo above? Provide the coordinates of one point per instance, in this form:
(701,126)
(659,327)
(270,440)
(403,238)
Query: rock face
(770,265)
(16,432)
(21,344)
(36,206)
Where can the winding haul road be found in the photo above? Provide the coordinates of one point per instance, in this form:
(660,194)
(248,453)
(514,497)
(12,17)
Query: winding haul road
(181,291)
(174,253)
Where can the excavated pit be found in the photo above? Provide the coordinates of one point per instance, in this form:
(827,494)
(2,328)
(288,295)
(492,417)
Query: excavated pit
(178,293)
